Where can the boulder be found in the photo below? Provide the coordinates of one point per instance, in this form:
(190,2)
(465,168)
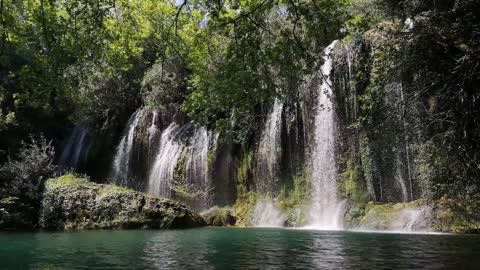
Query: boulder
(219,217)
(79,204)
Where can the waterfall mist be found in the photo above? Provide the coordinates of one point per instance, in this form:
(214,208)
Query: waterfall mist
(267,214)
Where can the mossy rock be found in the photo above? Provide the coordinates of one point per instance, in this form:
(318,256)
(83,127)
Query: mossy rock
(452,216)
(219,217)
(71,203)
(378,217)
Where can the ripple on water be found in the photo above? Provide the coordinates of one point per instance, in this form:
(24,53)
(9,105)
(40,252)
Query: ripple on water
(234,248)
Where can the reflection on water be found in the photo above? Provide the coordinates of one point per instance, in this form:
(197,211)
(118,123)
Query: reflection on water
(236,248)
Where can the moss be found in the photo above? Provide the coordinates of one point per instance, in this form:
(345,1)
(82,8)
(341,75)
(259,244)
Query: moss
(349,184)
(244,170)
(219,217)
(67,179)
(8,200)
(298,196)
(453,216)
(378,216)
(244,206)
(107,189)
(211,157)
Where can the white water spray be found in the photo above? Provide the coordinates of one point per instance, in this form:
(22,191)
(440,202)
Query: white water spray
(412,220)
(267,214)
(325,211)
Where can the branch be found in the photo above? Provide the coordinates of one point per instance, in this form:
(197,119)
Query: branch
(4,34)
(44,24)
(177,16)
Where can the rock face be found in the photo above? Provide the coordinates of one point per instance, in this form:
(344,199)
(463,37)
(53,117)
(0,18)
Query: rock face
(84,205)
(219,217)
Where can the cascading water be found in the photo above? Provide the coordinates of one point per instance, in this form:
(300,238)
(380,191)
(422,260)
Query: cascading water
(400,179)
(121,165)
(161,175)
(269,151)
(75,147)
(183,150)
(266,214)
(153,129)
(325,210)
(196,165)
(153,137)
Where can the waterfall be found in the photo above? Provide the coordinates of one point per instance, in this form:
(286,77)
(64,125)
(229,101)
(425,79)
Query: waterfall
(266,214)
(153,133)
(324,211)
(161,175)
(153,129)
(269,151)
(121,165)
(181,164)
(400,179)
(74,148)
(196,165)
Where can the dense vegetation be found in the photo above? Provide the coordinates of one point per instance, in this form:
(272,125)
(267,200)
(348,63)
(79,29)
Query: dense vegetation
(91,63)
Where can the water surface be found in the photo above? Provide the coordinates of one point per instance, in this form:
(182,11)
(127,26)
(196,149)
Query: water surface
(235,248)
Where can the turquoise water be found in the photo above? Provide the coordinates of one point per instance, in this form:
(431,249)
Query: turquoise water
(235,248)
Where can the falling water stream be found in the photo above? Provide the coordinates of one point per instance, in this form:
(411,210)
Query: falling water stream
(269,152)
(161,175)
(121,165)
(325,210)
(74,149)
(182,149)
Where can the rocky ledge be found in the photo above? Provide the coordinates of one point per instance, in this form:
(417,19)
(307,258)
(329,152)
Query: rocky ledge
(71,203)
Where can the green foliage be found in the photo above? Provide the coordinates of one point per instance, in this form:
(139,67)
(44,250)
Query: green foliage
(453,216)
(244,172)
(244,207)
(23,176)
(350,185)
(164,83)
(253,51)
(296,197)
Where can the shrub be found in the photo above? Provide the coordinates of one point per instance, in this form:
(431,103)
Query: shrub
(24,176)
